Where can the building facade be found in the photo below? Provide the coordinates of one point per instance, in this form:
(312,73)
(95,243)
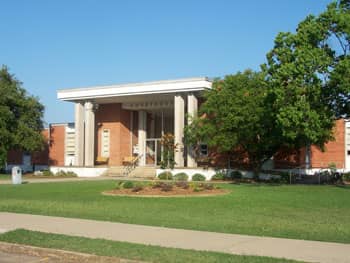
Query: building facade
(114,124)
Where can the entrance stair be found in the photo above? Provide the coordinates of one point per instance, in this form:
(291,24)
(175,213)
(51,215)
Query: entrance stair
(136,172)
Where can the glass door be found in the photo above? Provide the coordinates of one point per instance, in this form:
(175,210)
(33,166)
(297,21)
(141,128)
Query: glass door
(153,151)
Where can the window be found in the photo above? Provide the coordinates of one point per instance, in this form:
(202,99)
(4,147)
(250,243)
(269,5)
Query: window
(70,142)
(105,143)
(203,149)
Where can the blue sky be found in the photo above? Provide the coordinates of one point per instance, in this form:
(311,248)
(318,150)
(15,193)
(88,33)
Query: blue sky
(52,45)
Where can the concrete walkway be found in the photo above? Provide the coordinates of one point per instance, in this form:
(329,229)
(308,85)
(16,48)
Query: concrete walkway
(310,251)
(60,179)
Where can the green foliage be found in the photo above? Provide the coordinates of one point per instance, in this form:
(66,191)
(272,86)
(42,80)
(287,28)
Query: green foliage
(127,184)
(169,148)
(165,176)
(238,121)
(61,173)
(236,174)
(181,177)
(308,78)
(21,117)
(218,176)
(48,173)
(71,174)
(137,187)
(292,103)
(198,177)
(346,177)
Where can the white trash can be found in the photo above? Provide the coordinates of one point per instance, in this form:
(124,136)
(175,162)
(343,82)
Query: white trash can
(16,175)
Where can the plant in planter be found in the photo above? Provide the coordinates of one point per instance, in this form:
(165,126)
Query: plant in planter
(218,176)
(181,177)
(169,148)
(198,177)
(166,175)
(127,185)
(166,187)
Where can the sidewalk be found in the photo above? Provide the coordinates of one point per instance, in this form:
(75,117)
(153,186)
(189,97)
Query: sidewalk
(60,179)
(310,251)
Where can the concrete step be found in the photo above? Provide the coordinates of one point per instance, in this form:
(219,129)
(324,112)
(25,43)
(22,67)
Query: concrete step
(143,172)
(115,171)
(137,172)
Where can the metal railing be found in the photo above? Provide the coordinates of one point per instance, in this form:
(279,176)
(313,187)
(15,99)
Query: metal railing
(127,169)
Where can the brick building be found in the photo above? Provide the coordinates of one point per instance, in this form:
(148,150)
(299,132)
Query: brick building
(118,122)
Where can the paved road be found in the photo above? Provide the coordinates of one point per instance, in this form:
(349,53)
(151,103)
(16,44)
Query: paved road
(310,251)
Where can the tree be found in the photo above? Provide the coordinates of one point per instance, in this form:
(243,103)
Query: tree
(309,77)
(293,102)
(234,117)
(21,117)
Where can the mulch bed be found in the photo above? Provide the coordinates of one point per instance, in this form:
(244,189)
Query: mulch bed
(149,191)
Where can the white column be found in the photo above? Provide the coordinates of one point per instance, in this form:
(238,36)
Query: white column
(142,136)
(79,134)
(192,108)
(89,134)
(179,125)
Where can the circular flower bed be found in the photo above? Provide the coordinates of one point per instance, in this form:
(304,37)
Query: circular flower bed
(168,189)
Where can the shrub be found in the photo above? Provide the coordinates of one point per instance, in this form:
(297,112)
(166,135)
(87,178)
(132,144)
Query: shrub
(166,187)
(181,177)
(137,187)
(198,177)
(182,184)
(156,184)
(208,186)
(217,176)
(197,188)
(128,185)
(48,173)
(71,174)
(61,173)
(346,177)
(285,177)
(236,175)
(165,176)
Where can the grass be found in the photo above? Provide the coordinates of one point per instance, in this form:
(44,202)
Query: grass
(5,176)
(297,211)
(103,247)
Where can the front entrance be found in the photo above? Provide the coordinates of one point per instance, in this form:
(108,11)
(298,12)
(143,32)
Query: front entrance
(153,152)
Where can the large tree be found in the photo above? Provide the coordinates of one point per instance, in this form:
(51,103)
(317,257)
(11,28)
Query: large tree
(309,76)
(234,119)
(21,117)
(293,102)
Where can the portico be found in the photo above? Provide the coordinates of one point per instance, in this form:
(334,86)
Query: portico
(129,120)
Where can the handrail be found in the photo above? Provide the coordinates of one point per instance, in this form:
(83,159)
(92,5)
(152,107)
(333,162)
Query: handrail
(128,168)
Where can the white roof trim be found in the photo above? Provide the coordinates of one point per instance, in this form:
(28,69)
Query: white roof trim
(167,86)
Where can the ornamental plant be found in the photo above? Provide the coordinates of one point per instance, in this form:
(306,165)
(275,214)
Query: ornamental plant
(169,148)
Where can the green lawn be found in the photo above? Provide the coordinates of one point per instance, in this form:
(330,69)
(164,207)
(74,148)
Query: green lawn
(5,176)
(125,250)
(297,211)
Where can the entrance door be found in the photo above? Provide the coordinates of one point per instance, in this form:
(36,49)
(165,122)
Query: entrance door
(153,152)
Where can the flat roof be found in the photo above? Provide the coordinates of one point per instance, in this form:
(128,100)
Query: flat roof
(140,88)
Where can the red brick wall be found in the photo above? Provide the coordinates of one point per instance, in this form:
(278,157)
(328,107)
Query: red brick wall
(334,151)
(117,120)
(56,145)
